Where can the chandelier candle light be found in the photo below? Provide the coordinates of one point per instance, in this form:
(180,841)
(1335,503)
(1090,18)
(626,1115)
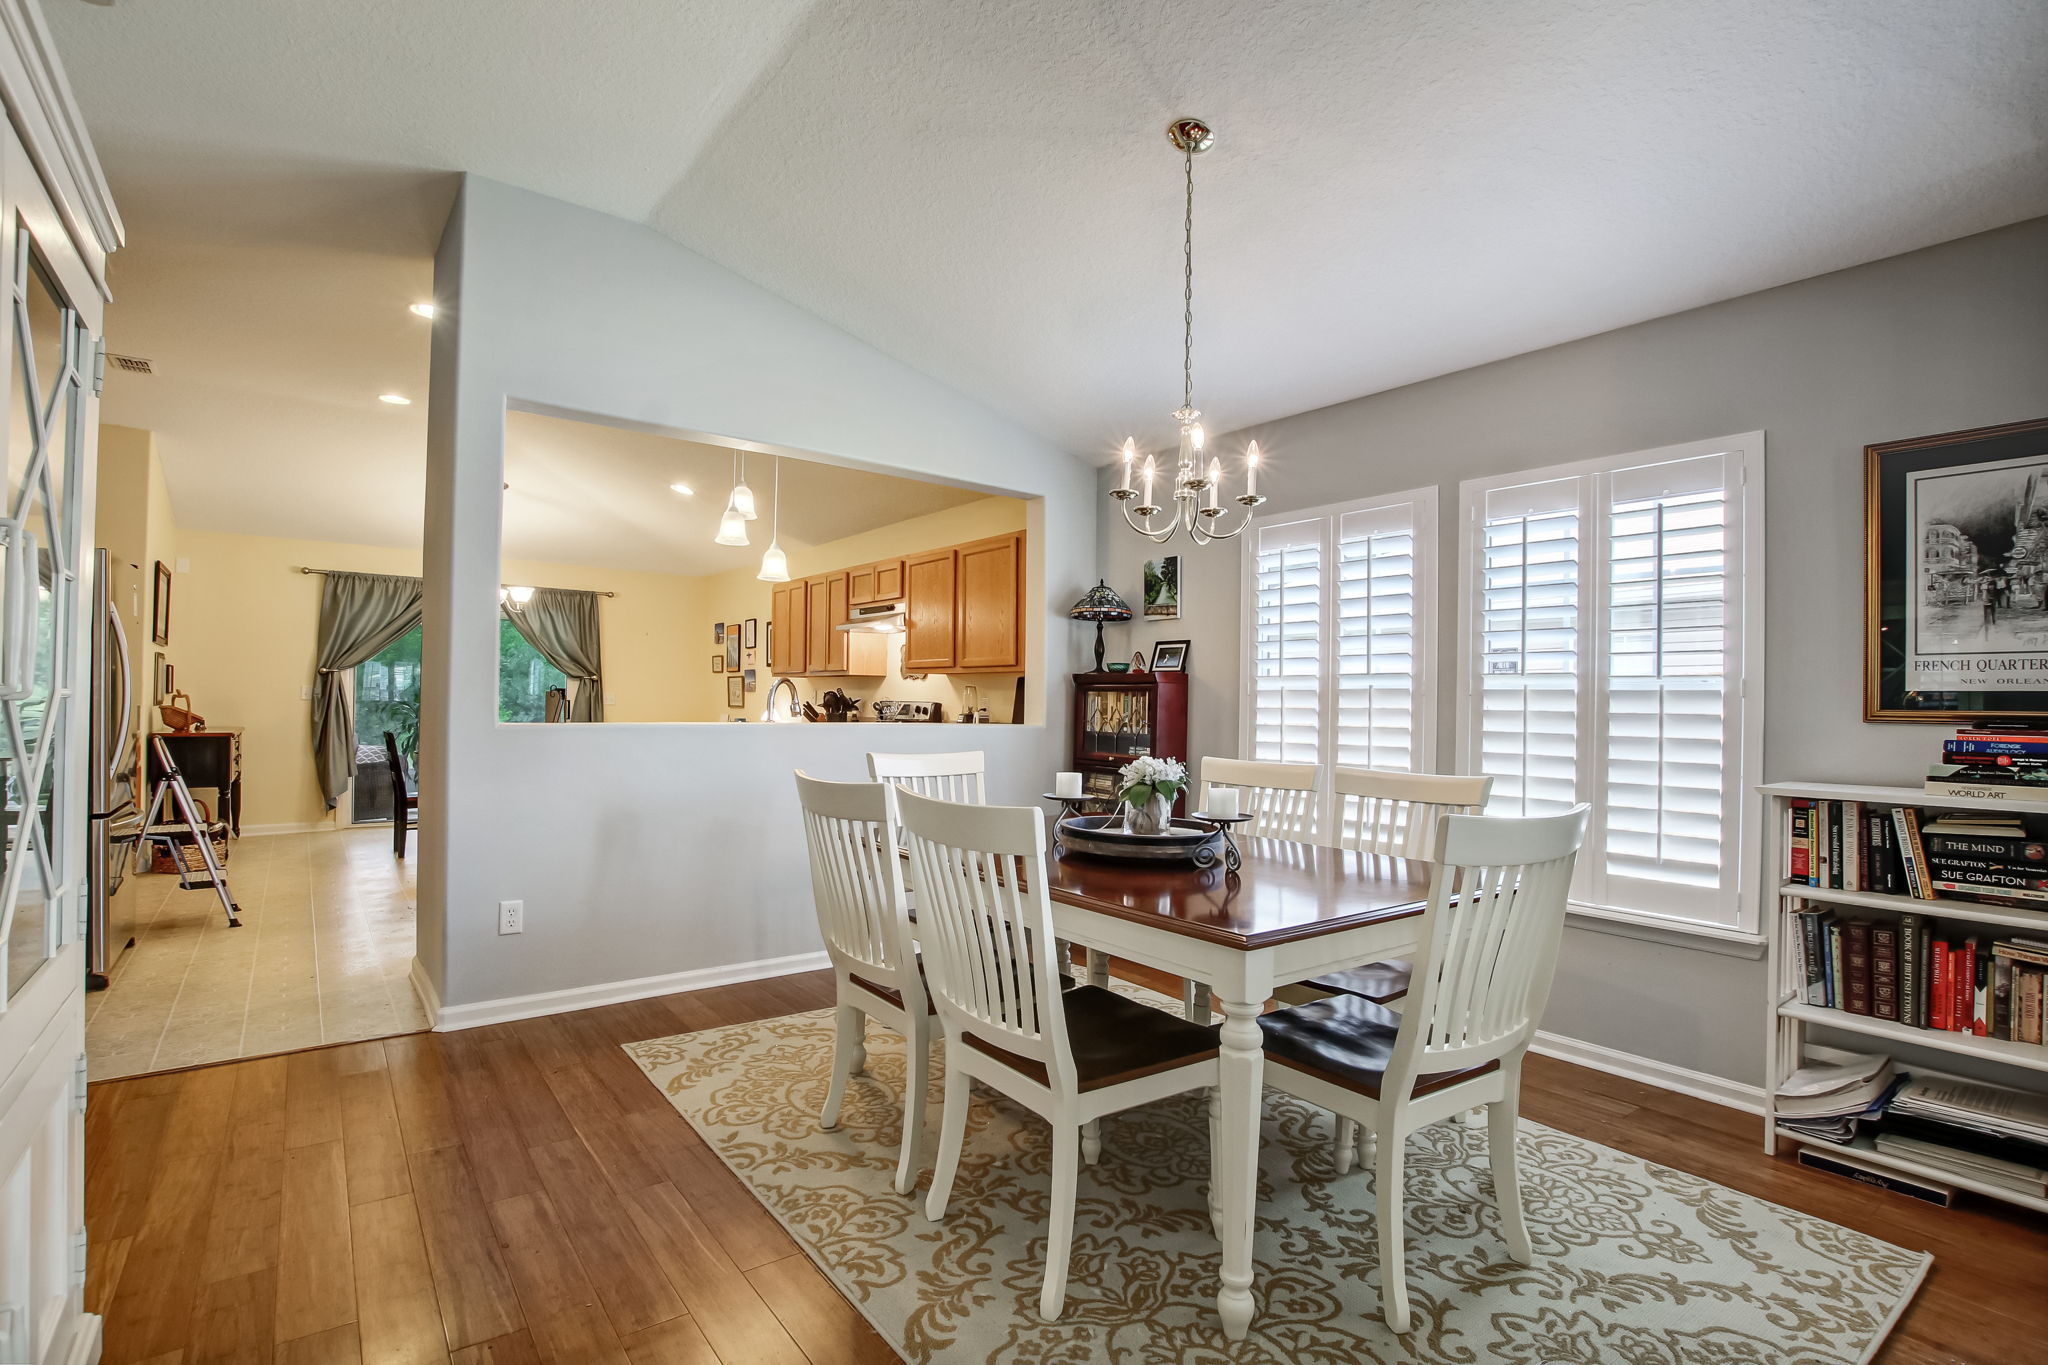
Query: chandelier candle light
(1197,490)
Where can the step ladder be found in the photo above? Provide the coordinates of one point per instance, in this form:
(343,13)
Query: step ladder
(171,798)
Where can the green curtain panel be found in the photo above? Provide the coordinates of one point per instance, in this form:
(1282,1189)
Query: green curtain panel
(562,625)
(360,615)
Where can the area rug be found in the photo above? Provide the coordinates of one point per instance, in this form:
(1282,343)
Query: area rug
(1634,1262)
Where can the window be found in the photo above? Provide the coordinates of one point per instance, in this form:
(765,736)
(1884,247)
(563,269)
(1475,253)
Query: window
(524,678)
(1610,619)
(387,698)
(1338,634)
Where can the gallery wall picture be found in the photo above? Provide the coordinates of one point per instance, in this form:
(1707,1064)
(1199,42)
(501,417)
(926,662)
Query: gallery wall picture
(163,681)
(732,648)
(718,633)
(753,635)
(1170,656)
(718,663)
(1956,575)
(160,606)
(735,690)
(752,680)
(1162,588)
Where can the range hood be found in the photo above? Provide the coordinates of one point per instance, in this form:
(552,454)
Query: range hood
(879,618)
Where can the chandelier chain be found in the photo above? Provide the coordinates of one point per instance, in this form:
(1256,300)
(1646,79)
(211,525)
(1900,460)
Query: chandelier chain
(1187,292)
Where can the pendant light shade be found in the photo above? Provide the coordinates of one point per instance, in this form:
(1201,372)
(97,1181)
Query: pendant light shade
(774,563)
(732,528)
(742,496)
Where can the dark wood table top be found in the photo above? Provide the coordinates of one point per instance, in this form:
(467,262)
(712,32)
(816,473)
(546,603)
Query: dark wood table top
(1284,891)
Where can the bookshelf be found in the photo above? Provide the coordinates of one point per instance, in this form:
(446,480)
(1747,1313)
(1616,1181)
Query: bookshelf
(2022,1064)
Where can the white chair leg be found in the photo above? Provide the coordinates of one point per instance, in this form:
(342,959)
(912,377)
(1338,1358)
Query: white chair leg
(1059,1233)
(1507,1187)
(1194,1001)
(952,1135)
(1386,1190)
(1345,1148)
(847,1055)
(1098,967)
(916,1081)
(1475,1117)
(1091,1141)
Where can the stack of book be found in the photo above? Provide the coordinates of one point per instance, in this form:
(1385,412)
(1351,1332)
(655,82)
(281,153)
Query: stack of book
(1990,857)
(1827,1100)
(1994,761)
(1986,1132)
(1913,970)
(1985,856)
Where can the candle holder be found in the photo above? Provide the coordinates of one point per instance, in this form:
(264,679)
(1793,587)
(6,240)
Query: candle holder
(1232,859)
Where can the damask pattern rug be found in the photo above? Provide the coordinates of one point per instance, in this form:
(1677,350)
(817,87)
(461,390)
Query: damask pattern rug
(1636,1264)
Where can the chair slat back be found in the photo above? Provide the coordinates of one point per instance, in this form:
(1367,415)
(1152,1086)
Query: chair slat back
(942,777)
(1395,814)
(985,926)
(1496,913)
(857,882)
(1280,797)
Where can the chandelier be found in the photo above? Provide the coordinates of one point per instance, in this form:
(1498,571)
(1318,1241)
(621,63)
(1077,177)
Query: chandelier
(1197,489)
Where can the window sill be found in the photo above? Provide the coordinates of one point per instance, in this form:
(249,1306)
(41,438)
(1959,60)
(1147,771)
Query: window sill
(1697,938)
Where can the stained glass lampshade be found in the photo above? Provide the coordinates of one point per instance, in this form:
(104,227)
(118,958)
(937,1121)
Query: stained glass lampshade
(1100,603)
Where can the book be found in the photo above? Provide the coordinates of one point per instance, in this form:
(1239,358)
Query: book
(2005,793)
(2017,895)
(2023,746)
(1899,1182)
(2013,951)
(1856,966)
(2001,996)
(1824,843)
(1813,981)
(1833,950)
(2026,1021)
(2013,849)
(1912,971)
(1980,992)
(1938,986)
(1852,845)
(1964,960)
(2026,876)
(2010,1175)
(1906,820)
(1884,970)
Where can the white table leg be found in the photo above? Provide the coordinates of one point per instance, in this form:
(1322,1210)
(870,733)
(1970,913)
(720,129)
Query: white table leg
(1098,968)
(1242,1063)
(1194,1001)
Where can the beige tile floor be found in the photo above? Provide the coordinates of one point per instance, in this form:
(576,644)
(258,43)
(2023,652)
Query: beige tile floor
(322,957)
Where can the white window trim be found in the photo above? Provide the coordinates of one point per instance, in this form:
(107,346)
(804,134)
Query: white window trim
(1428,556)
(1745,648)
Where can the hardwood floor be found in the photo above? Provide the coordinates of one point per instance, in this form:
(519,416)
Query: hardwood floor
(520,1194)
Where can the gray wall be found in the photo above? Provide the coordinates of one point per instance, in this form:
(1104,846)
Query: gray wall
(1951,337)
(645,850)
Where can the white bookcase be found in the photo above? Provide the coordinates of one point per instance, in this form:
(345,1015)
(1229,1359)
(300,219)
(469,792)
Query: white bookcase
(1791,1017)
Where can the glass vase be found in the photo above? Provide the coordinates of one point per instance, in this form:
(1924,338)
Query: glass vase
(1152,817)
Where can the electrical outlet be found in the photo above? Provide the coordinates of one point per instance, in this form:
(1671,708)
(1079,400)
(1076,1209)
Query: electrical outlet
(306,693)
(511,917)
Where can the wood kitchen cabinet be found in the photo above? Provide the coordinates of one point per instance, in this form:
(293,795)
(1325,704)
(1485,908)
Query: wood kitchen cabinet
(790,612)
(990,633)
(826,644)
(878,582)
(930,621)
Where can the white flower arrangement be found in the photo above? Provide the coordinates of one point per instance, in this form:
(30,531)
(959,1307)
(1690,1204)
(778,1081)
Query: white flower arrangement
(1144,778)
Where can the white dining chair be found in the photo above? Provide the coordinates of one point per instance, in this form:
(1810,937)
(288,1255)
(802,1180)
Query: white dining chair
(1070,1056)
(961,776)
(857,886)
(1394,815)
(1490,937)
(1281,800)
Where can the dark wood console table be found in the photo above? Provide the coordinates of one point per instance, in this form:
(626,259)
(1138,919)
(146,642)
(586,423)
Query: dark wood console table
(208,758)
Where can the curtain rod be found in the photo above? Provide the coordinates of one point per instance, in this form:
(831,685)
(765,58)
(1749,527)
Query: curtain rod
(599,592)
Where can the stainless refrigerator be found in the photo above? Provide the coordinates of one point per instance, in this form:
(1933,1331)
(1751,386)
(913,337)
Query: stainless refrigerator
(116,821)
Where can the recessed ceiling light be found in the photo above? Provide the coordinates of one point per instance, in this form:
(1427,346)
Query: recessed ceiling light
(684,489)
(396,400)
(425,310)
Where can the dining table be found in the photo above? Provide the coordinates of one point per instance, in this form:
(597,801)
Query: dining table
(1288,912)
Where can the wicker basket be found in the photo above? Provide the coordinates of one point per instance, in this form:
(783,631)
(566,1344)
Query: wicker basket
(188,852)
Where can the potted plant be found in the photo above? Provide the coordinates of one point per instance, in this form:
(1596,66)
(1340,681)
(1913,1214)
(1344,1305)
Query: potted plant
(1147,787)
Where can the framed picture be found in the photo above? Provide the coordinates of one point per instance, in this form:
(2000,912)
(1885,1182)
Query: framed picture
(732,648)
(718,663)
(1162,589)
(1170,656)
(753,635)
(164,681)
(160,606)
(1956,576)
(735,690)
(753,683)
(718,634)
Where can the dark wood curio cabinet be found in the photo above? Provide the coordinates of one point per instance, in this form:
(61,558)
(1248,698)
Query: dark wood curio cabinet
(1121,716)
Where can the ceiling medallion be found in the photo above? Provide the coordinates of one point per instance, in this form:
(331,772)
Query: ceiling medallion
(1197,490)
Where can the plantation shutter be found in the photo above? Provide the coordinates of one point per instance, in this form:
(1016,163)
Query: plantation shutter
(1528,666)
(1288,641)
(1668,737)
(1375,629)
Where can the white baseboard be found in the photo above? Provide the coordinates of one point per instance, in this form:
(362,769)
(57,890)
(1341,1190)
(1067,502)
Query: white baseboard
(316,827)
(1648,1070)
(429,998)
(449,1018)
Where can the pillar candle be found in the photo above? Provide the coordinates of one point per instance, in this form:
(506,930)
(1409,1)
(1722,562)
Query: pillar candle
(1222,802)
(1066,784)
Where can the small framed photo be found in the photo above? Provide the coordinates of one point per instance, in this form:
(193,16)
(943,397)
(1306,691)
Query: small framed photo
(1162,588)
(735,690)
(753,684)
(753,634)
(718,663)
(160,606)
(718,633)
(732,648)
(1170,656)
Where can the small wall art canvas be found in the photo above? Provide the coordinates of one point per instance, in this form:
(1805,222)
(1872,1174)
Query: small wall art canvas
(732,648)
(735,690)
(1162,588)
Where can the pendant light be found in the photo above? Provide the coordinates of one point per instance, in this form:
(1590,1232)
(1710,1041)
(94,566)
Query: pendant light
(732,527)
(743,496)
(774,563)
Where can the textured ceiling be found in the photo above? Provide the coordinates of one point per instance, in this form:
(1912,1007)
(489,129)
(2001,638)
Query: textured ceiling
(1399,189)
(583,493)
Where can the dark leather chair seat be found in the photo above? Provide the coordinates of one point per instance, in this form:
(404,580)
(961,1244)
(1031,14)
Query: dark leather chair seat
(1347,1041)
(1114,1038)
(891,994)
(1378,982)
